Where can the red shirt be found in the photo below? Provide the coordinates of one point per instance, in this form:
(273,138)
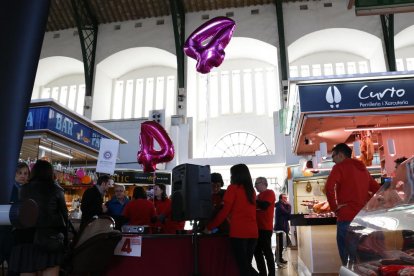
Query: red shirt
(348,188)
(265,217)
(163,207)
(139,212)
(241,213)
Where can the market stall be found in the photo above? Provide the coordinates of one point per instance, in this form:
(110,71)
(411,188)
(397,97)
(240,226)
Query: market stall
(66,139)
(373,115)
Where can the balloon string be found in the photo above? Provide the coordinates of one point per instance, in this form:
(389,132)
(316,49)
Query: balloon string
(207,114)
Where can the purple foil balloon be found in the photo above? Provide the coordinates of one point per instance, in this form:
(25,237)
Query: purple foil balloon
(148,157)
(206,44)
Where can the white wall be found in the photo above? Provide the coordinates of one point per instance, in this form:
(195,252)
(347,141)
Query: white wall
(115,55)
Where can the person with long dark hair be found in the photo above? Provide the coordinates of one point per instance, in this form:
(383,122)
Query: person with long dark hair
(240,207)
(162,208)
(29,256)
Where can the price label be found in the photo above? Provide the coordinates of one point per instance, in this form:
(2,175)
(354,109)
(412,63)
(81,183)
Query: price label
(129,246)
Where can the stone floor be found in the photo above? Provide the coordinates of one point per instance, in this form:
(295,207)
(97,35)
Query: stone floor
(291,268)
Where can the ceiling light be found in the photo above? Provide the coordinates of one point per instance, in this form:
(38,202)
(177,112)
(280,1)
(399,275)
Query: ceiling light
(379,128)
(357,148)
(323,147)
(55,152)
(391,147)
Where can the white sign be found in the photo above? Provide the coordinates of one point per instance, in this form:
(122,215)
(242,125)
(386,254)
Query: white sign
(129,246)
(108,153)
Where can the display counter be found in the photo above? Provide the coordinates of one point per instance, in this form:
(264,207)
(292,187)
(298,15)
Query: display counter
(173,255)
(380,239)
(317,249)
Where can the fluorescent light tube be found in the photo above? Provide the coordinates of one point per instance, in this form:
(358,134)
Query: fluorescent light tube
(55,152)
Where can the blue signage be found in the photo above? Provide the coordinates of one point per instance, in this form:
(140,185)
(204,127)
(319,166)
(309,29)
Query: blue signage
(48,118)
(356,95)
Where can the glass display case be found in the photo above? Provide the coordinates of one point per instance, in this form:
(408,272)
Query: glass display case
(381,237)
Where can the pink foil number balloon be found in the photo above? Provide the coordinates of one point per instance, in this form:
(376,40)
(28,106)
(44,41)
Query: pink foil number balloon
(148,157)
(206,44)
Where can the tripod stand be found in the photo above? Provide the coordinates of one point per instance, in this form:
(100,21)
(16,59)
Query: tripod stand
(194,242)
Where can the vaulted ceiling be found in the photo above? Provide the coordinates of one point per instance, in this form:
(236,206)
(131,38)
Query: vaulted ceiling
(61,15)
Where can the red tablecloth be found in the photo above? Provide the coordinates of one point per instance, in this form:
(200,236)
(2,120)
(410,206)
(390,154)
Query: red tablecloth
(173,256)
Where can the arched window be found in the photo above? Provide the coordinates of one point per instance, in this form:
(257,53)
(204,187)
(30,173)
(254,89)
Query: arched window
(134,81)
(139,91)
(68,91)
(336,51)
(240,96)
(404,47)
(62,79)
(238,144)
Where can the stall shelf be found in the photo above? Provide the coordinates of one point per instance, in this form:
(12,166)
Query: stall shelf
(381,237)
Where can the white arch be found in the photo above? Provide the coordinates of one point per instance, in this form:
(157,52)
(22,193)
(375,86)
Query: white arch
(127,60)
(52,68)
(342,40)
(244,47)
(404,38)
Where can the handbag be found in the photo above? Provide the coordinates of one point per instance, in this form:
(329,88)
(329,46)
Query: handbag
(49,240)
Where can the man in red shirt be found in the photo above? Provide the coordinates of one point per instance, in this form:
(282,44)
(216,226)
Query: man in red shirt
(348,189)
(264,216)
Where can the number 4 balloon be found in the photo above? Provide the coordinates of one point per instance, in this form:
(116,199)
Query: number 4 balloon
(206,44)
(148,156)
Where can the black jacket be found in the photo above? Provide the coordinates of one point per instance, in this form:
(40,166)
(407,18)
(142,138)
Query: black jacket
(282,216)
(50,199)
(91,204)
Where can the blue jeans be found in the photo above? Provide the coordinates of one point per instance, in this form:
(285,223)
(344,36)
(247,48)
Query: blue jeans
(341,230)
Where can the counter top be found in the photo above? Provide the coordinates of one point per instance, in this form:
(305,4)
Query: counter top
(300,220)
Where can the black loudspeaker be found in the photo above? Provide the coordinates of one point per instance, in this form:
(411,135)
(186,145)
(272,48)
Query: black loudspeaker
(191,192)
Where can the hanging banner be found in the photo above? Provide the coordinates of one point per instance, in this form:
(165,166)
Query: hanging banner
(108,153)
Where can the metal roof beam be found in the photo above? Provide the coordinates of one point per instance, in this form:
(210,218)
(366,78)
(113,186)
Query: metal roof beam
(88,33)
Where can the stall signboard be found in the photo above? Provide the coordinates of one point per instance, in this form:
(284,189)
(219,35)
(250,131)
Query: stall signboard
(140,177)
(363,95)
(48,118)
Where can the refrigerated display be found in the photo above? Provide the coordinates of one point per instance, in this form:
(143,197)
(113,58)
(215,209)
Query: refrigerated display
(381,236)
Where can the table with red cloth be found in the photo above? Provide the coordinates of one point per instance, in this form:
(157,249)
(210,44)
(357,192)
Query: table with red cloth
(173,255)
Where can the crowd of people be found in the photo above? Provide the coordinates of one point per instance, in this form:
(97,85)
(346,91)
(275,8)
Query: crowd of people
(246,217)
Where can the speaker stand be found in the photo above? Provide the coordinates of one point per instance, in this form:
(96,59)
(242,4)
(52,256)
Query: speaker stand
(195,248)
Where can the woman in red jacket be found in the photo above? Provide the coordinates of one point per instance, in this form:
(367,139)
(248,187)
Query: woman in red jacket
(240,208)
(139,211)
(164,224)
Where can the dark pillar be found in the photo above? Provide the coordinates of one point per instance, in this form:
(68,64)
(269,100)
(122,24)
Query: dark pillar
(22,28)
